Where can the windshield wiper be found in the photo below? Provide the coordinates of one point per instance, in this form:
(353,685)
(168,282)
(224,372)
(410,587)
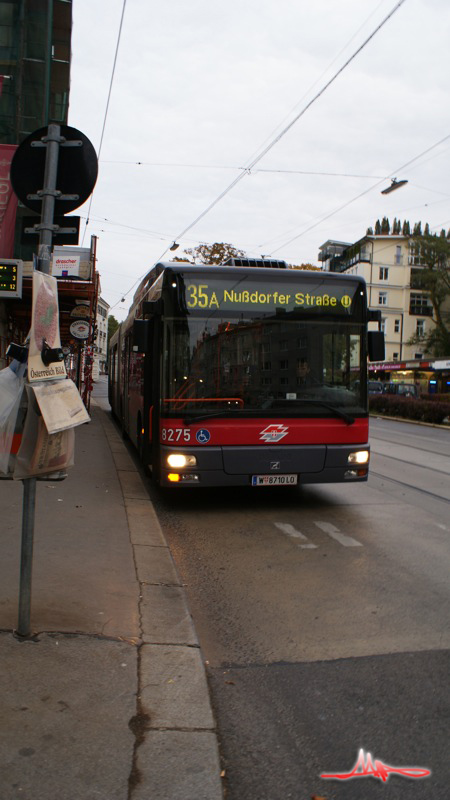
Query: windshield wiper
(228,412)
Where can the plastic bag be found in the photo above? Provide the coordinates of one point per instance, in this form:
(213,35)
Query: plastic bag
(11,388)
(42,453)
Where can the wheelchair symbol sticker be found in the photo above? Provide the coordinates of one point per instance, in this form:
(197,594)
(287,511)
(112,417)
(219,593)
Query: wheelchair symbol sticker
(203,436)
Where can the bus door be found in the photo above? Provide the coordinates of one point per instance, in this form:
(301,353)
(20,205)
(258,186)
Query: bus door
(152,393)
(127,346)
(147,347)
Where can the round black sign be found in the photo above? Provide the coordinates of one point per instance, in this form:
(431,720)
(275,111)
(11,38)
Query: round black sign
(77,170)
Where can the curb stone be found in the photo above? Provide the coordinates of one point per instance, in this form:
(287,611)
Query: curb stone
(177,756)
(444,426)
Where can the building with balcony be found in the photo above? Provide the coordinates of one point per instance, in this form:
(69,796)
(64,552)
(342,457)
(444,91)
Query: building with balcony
(388,262)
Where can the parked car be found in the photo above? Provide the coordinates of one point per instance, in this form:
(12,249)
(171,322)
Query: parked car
(402,389)
(375,387)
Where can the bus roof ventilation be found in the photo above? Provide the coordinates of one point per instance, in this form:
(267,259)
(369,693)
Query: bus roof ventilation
(255,262)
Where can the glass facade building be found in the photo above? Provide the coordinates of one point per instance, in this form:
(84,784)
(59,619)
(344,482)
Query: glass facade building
(35,54)
(35,40)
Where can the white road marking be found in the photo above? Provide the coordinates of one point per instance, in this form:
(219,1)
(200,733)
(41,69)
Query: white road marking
(335,533)
(294,534)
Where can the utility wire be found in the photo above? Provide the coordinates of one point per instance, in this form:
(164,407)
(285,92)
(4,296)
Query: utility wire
(349,202)
(327,216)
(107,106)
(247,170)
(326,174)
(316,82)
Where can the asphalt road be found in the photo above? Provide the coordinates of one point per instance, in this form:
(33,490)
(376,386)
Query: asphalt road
(323,615)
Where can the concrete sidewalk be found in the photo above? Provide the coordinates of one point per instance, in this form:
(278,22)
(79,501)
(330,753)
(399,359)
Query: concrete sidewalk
(108,699)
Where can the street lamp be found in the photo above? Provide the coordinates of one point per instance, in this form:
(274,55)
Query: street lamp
(395,184)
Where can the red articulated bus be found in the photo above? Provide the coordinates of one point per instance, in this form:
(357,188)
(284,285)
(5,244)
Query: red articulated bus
(248,373)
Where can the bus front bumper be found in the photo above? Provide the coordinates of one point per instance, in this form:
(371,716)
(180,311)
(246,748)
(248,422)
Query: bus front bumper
(237,466)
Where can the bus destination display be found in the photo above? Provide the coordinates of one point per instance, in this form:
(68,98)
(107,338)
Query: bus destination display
(251,295)
(11,278)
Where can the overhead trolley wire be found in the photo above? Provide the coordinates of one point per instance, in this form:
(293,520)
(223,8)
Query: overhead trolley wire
(107,106)
(268,138)
(353,199)
(247,170)
(244,169)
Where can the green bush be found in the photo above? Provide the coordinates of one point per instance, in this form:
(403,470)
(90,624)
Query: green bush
(410,408)
(440,398)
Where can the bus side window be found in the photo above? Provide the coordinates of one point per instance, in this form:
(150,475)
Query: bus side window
(141,328)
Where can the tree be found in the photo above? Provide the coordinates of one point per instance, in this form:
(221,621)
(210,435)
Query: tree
(434,279)
(214,254)
(113,324)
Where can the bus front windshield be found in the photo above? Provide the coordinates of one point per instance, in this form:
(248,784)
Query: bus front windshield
(266,366)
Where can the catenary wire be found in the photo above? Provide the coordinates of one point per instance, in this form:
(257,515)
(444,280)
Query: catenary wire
(107,107)
(247,170)
(316,82)
(268,138)
(353,199)
(244,169)
(322,219)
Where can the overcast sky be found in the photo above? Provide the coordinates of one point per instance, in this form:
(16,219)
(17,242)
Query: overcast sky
(202,87)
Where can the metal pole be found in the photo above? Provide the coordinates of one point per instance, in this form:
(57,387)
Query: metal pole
(49,193)
(78,379)
(26,563)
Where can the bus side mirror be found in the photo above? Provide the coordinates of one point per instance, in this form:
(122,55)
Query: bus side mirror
(375,341)
(141,329)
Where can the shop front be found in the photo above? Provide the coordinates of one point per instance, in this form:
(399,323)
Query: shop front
(428,376)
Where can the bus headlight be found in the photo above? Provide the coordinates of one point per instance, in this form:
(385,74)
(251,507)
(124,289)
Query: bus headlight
(180,460)
(360,457)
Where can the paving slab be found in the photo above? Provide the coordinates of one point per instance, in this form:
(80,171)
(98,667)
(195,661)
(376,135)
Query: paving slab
(173,689)
(114,659)
(165,616)
(132,486)
(143,523)
(155,565)
(84,577)
(176,765)
(66,705)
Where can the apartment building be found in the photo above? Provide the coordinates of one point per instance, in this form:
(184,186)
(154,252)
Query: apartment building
(387,263)
(100,347)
